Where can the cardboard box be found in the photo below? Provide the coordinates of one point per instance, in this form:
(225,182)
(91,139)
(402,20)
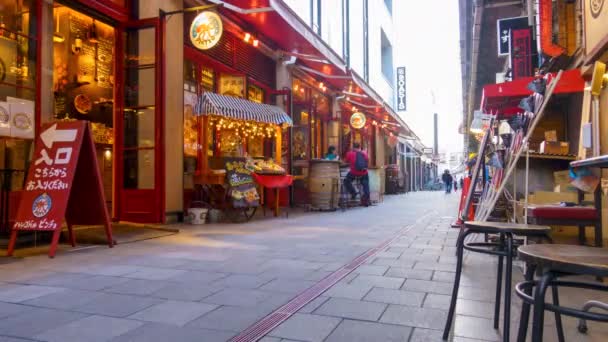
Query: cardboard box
(555,147)
(565,188)
(550,197)
(561,177)
(551,136)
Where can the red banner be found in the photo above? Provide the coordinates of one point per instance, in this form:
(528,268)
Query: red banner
(521,53)
(63,182)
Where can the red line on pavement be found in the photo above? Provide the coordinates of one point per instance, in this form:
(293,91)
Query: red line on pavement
(280,315)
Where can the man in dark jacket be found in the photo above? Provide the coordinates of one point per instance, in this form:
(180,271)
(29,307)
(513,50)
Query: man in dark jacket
(447,180)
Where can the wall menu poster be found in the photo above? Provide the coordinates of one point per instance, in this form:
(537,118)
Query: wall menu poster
(242,187)
(232,85)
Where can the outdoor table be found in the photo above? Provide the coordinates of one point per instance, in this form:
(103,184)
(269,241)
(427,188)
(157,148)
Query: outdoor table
(557,261)
(273,181)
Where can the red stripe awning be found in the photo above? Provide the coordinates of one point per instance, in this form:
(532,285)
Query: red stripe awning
(503,98)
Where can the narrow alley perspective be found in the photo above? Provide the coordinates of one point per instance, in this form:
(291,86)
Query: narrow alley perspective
(303,170)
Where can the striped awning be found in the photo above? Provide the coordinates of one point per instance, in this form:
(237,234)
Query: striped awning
(240,109)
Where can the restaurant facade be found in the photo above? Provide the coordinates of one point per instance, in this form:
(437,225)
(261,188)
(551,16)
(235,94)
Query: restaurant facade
(138,72)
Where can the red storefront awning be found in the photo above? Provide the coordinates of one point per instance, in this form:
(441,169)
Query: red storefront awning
(275,20)
(503,98)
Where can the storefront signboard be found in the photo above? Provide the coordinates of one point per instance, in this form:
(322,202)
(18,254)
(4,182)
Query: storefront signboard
(206,30)
(401,97)
(242,186)
(503,31)
(521,53)
(357,120)
(596,30)
(63,182)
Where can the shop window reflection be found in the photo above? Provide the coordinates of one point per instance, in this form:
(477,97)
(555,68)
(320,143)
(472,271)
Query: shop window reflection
(18,55)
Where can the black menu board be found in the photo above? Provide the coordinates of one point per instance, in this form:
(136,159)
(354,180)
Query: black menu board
(242,187)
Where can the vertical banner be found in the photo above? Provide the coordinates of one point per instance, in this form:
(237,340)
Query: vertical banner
(401,104)
(503,31)
(521,53)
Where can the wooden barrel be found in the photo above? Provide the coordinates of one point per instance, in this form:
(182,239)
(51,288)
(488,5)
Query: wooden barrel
(324,184)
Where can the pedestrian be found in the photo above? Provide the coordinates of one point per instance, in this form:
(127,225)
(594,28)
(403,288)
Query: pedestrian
(358,162)
(461,182)
(331,153)
(455,185)
(447,181)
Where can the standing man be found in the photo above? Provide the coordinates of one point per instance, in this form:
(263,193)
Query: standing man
(358,162)
(447,180)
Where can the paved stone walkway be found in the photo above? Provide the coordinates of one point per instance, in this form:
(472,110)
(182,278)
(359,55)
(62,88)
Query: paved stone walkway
(210,283)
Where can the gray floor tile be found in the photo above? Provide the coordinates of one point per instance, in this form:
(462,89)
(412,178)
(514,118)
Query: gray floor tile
(21,325)
(116,305)
(349,291)
(66,299)
(357,331)
(229,318)
(372,269)
(242,281)
(59,279)
(408,273)
(427,286)
(156,332)
(287,285)
(474,327)
(152,273)
(426,335)
(305,327)
(414,317)
(312,306)
(13,339)
(186,292)
(112,270)
(198,277)
(391,296)
(138,287)
(348,308)
(173,312)
(393,262)
(21,293)
(10,309)
(437,301)
(90,329)
(238,297)
(378,281)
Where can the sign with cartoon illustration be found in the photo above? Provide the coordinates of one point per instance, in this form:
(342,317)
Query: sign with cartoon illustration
(63,185)
(357,120)
(242,186)
(206,30)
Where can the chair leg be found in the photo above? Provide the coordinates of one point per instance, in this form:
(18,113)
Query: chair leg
(459,257)
(539,307)
(558,317)
(508,272)
(599,239)
(581,235)
(525,307)
(499,283)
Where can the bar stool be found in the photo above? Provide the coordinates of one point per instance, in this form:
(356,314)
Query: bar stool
(557,261)
(504,248)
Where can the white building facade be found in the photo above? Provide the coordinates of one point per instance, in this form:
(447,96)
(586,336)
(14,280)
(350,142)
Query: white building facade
(361,32)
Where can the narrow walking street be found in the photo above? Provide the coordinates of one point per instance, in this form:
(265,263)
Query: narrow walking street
(212,283)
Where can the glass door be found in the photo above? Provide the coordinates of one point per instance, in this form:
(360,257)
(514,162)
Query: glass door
(139,146)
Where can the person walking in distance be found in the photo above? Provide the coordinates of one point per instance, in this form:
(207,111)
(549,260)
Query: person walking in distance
(358,162)
(461,182)
(447,180)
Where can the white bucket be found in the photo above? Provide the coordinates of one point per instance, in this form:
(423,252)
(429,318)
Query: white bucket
(197,215)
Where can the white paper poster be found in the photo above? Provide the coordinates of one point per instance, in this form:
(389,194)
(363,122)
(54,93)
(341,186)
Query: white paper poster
(21,118)
(5,119)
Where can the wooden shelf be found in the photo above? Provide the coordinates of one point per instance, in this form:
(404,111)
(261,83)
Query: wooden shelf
(535,155)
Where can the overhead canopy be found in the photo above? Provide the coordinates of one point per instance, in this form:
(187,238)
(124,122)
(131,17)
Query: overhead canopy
(503,98)
(240,109)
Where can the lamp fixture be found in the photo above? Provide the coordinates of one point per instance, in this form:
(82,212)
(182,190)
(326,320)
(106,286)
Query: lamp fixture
(256,42)
(476,126)
(93,33)
(247,37)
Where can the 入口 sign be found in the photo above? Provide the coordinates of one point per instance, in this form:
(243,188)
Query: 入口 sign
(401,89)
(206,30)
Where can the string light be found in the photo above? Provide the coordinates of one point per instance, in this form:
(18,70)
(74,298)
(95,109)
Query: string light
(245,128)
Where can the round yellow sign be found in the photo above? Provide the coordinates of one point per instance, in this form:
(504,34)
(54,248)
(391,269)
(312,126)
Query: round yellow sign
(357,120)
(206,30)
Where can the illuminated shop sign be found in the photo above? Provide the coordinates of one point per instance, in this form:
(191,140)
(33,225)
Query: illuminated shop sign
(206,30)
(357,120)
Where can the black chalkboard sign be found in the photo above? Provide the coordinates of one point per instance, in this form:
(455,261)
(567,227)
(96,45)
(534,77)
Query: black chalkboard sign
(242,186)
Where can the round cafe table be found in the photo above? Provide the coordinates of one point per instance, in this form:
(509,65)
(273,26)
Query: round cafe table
(273,181)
